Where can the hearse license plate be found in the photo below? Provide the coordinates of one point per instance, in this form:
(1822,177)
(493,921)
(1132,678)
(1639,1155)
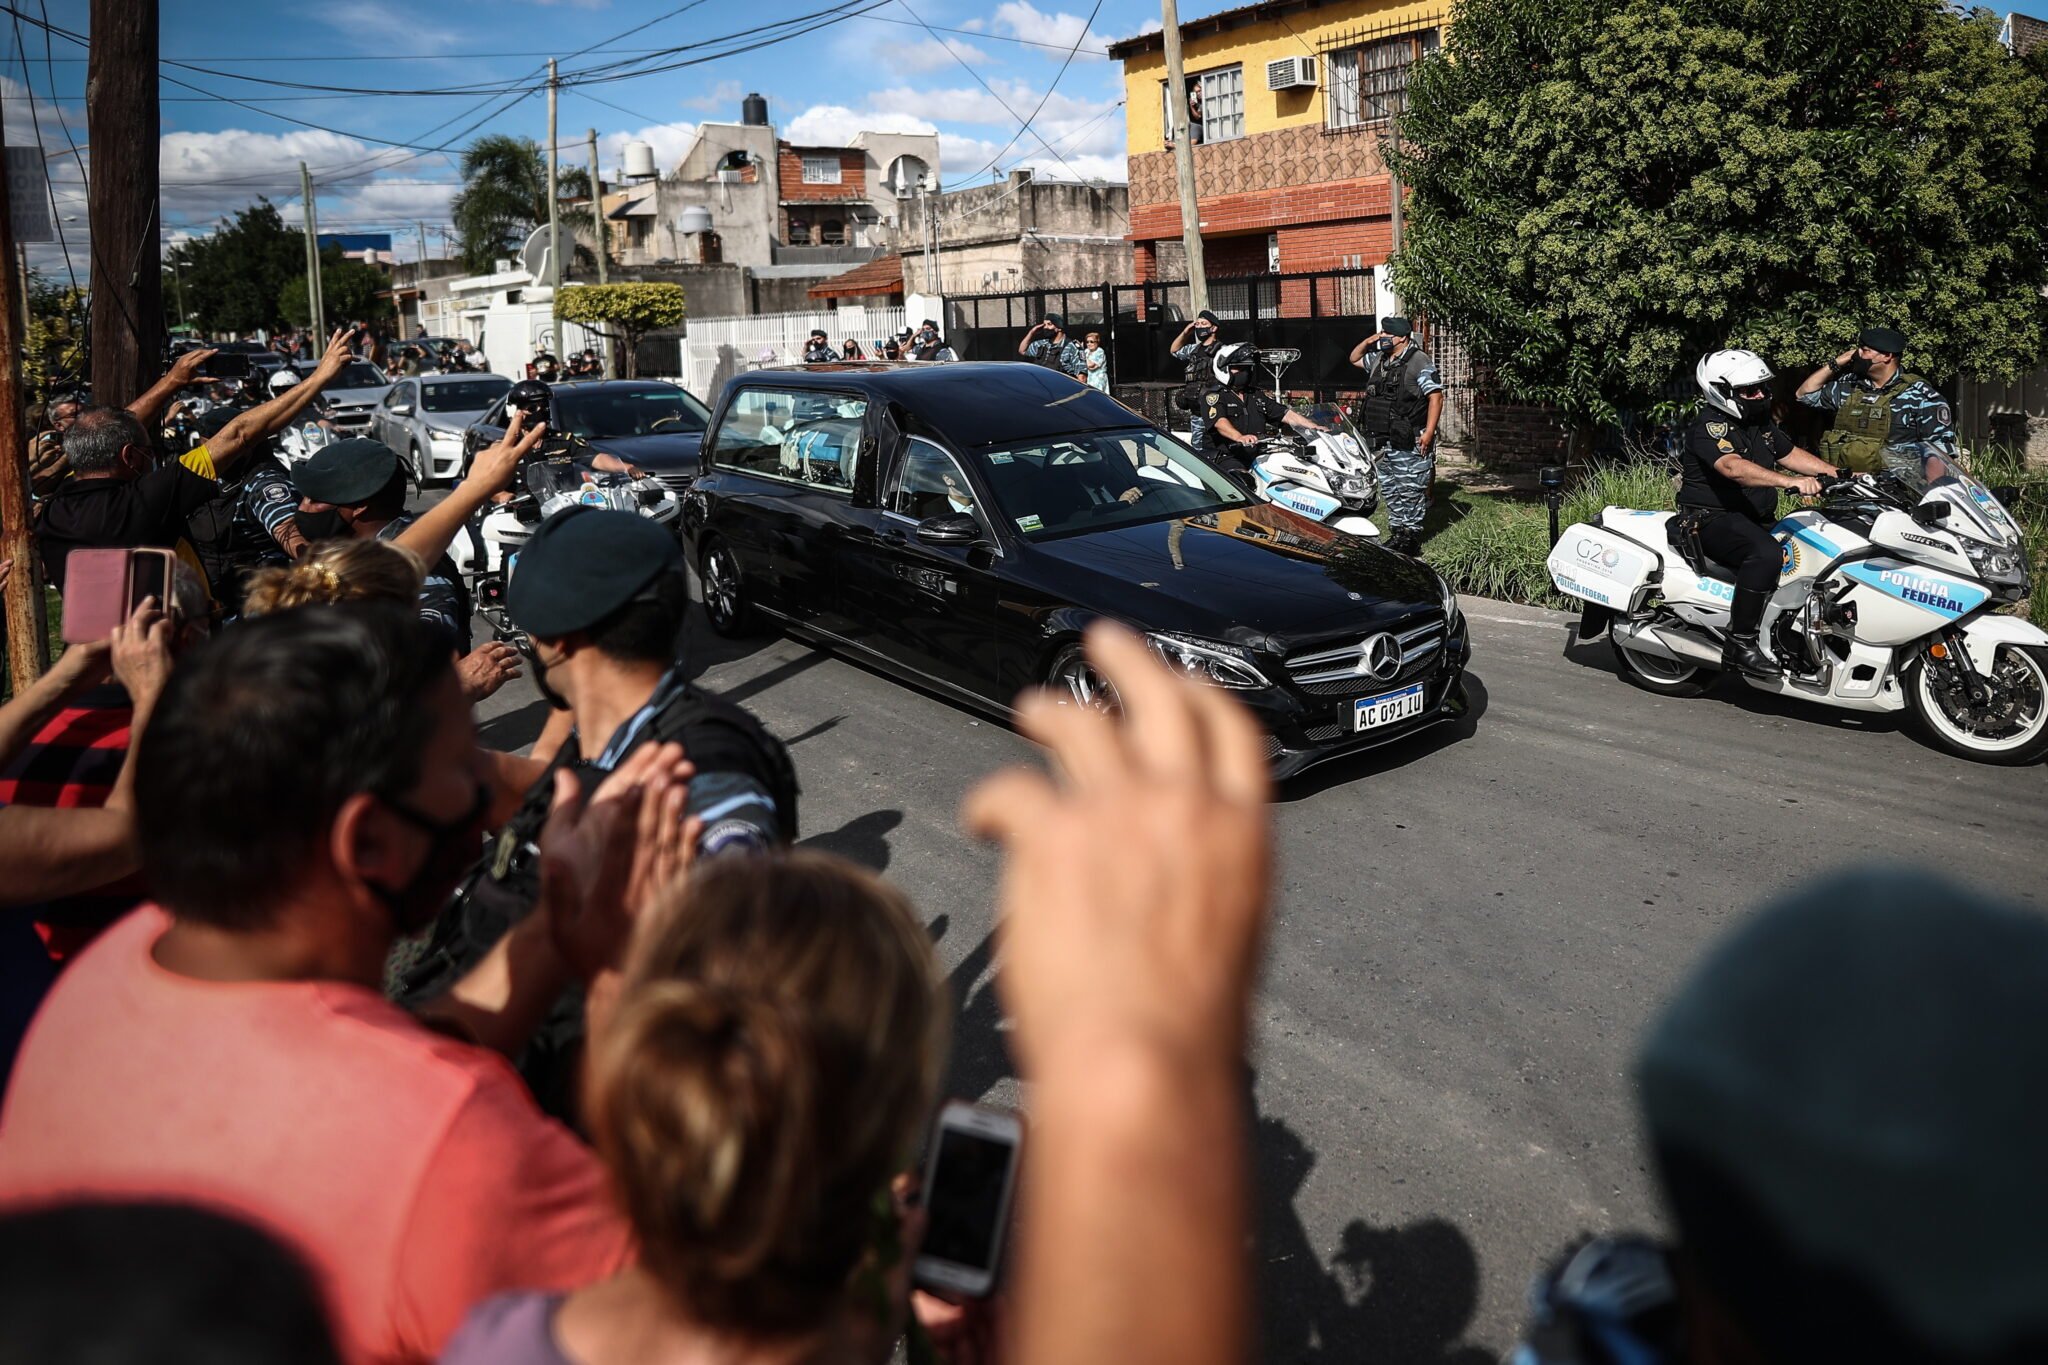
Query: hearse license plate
(1371,712)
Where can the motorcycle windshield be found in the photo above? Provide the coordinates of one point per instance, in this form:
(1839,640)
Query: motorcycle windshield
(1976,511)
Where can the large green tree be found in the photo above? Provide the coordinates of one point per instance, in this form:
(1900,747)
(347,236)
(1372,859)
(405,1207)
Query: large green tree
(1603,189)
(231,279)
(504,196)
(348,292)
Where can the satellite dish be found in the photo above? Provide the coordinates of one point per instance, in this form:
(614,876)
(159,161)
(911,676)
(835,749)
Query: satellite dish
(695,218)
(533,257)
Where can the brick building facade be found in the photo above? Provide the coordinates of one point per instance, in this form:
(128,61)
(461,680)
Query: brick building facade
(1289,100)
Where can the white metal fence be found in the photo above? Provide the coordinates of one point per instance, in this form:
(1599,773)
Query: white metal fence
(716,349)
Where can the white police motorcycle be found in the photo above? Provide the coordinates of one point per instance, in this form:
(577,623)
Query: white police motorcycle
(486,553)
(1886,601)
(1326,476)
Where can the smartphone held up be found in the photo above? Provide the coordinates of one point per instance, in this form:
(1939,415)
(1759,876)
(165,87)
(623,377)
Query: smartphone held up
(968,1184)
(102,588)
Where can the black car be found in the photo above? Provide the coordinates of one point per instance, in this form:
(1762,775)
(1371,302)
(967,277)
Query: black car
(959,525)
(646,422)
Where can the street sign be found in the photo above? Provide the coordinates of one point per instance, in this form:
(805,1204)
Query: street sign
(28,195)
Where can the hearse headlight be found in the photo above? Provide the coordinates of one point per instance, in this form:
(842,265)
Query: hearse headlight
(1211,660)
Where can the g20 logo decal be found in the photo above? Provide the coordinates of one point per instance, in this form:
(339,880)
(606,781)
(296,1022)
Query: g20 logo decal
(1593,552)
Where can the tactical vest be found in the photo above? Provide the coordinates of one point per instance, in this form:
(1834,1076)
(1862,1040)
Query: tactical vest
(229,539)
(1394,406)
(1863,427)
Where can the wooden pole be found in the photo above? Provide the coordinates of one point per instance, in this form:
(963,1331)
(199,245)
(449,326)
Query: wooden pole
(1184,160)
(316,307)
(27,655)
(604,246)
(121,121)
(554,203)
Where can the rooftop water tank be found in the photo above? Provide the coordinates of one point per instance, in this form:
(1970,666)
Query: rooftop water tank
(754,111)
(639,161)
(695,218)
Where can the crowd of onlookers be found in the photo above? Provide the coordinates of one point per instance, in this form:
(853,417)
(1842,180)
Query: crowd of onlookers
(355,1040)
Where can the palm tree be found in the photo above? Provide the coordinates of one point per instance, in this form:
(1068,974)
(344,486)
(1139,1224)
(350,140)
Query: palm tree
(504,197)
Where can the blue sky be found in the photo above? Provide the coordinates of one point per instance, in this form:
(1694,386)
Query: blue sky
(904,65)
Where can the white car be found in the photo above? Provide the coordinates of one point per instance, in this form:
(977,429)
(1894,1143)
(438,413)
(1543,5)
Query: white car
(423,418)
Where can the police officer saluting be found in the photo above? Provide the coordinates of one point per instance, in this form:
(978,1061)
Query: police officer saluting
(1730,465)
(1885,419)
(817,350)
(1404,400)
(1237,413)
(1196,346)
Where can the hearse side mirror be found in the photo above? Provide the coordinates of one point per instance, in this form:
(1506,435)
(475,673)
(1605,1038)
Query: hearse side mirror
(1931,513)
(957,528)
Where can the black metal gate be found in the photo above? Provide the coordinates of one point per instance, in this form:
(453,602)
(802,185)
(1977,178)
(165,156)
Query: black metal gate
(1322,314)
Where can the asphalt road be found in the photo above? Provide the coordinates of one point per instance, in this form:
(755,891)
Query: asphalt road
(1472,929)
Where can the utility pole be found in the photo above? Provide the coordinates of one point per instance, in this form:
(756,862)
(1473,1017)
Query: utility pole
(314,303)
(26,657)
(419,276)
(554,204)
(1184,159)
(122,122)
(604,246)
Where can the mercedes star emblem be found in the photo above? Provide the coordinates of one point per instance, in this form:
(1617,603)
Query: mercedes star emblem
(1380,657)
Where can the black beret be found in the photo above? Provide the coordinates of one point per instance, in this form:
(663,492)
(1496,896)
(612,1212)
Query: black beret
(1397,326)
(1890,340)
(583,564)
(1056,320)
(1206,316)
(1860,1064)
(347,472)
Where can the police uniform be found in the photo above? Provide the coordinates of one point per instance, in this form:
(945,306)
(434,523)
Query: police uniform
(1200,358)
(1253,412)
(351,472)
(580,567)
(235,534)
(1396,406)
(819,352)
(1733,519)
(1897,426)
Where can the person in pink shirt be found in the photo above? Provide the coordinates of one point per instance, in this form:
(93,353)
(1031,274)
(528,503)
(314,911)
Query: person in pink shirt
(309,789)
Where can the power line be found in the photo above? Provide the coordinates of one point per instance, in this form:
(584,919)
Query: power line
(1048,91)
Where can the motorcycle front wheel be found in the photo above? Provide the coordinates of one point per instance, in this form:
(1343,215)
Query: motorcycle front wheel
(2011,730)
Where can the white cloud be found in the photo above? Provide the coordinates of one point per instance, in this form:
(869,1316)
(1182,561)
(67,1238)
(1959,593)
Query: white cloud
(1021,19)
(928,54)
(977,105)
(833,125)
(721,100)
(374,22)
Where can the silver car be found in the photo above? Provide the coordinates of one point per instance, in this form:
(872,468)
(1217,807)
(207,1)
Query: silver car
(423,419)
(352,394)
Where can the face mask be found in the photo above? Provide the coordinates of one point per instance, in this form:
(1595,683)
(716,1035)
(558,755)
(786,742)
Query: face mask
(1859,367)
(453,846)
(540,683)
(1754,410)
(1240,379)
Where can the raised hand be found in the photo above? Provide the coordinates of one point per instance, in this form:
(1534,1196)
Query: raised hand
(491,470)
(185,369)
(141,653)
(485,669)
(589,856)
(1134,889)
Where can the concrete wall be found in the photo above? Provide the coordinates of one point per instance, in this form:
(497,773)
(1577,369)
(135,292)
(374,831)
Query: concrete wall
(1024,233)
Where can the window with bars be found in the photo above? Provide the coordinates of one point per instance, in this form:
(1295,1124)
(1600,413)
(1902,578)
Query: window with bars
(1368,81)
(821,170)
(1215,106)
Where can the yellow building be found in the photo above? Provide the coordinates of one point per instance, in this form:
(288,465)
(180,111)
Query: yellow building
(1288,101)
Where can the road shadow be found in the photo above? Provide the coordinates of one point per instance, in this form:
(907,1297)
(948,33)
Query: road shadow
(1599,656)
(1405,1293)
(511,732)
(1388,758)
(860,839)
(979,1060)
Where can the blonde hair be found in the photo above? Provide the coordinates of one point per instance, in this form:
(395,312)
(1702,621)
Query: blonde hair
(338,571)
(767,1072)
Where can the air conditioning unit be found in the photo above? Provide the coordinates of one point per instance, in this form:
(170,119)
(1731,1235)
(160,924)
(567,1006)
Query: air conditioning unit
(1291,73)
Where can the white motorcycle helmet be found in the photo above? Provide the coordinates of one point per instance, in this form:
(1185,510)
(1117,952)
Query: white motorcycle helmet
(282,378)
(1235,356)
(1725,374)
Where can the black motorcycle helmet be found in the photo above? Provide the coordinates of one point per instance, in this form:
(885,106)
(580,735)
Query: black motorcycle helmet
(529,396)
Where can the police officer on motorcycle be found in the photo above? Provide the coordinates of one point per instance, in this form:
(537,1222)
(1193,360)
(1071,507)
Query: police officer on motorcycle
(1731,464)
(561,450)
(1885,419)
(1403,401)
(1238,413)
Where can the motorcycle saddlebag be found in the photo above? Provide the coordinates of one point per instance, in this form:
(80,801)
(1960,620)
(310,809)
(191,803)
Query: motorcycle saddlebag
(1599,566)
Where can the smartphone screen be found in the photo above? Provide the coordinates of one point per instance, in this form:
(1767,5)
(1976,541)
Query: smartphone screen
(149,576)
(964,1200)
